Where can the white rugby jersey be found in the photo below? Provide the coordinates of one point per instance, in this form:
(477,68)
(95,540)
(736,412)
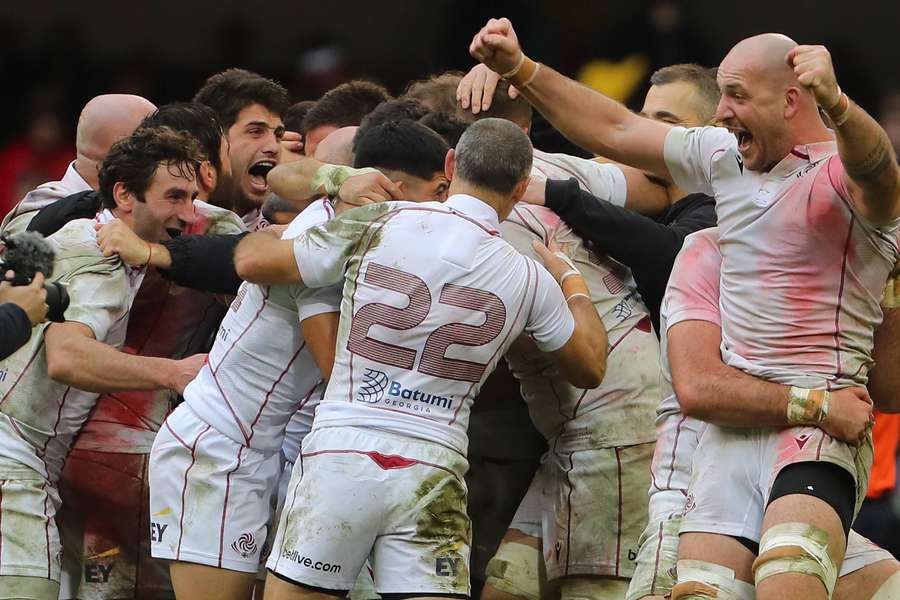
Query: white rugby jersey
(691,295)
(43,195)
(39,417)
(620,411)
(254,220)
(802,271)
(259,370)
(433,297)
(603,180)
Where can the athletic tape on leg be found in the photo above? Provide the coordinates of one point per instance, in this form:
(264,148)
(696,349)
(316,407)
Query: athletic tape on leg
(795,548)
(699,580)
(511,571)
(890,589)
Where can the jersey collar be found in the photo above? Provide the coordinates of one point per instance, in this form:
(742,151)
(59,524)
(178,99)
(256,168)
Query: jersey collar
(476,209)
(802,155)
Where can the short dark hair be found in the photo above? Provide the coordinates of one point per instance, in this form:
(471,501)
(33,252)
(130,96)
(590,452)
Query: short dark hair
(194,118)
(438,93)
(231,91)
(395,109)
(401,146)
(133,160)
(494,154)
(293,116)
(447,126)
(702,78)
(518,111)
(345,105)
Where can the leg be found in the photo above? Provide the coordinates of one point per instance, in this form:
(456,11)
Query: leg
(804,531)
(588,587)
(202,582)
(14,587)
(711,563)
(280,588)
(654,575)
(879,581)
(517,569)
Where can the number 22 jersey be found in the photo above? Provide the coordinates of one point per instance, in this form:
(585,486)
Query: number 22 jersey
(433,297)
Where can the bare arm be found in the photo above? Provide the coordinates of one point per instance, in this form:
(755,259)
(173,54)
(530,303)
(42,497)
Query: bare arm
(75,358)
(262,258)
(873,177)
(320,333)
(307,178)
(710,390)
(588,118)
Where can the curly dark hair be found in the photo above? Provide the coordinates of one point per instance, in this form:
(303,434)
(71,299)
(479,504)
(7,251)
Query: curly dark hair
(132,161)
(231,91)
(345,105)
(196,119)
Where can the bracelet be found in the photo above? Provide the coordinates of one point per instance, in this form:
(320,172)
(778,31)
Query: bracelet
(807,407)
(524,73)
(524,84)
(512,72)
(844,113)
(149,254)
(577,294)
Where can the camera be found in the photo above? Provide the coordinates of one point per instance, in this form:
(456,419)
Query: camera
(28,253)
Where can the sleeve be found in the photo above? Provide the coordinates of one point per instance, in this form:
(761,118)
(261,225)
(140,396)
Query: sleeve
(98,292)
(837,177)
(15,329)
(693,291)
(689,155)
(603,180)
(317,301)
(51,218)
(204,262)
(322,252)
(645,246)
(550,323)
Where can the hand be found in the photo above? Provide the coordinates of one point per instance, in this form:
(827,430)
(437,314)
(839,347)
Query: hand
(367,188)
(555,260)
(185,370)
(497,46)
(849,415)
(31,298)
(291,147)
(478,87)
(116,237)
(535,193)
(812,65)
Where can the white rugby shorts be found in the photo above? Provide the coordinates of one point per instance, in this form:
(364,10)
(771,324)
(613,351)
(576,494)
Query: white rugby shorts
(211,499)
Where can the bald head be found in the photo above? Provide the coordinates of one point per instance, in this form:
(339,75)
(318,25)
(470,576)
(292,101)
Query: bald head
(765,55)
(105,120)
(337,147)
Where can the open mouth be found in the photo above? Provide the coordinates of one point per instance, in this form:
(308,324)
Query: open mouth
(258,173)
(744,138)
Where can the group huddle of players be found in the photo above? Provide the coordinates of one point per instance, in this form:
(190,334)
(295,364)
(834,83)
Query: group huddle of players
(357,267)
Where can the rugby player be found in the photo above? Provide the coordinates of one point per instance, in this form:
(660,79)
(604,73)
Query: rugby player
(808,221)
(394,415)
(50,385)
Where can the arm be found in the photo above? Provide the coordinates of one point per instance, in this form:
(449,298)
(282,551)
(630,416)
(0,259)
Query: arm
(261,258)
(202,262)
(582,359)
(15,328)
(307,178)
(710,390)
(320,333)
(588,118)
(646,247)
(872,174)
(884,379)
(75,358)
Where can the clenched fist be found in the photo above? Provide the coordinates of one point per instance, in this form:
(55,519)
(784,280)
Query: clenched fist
(812,65)
(116,237)
(497,46)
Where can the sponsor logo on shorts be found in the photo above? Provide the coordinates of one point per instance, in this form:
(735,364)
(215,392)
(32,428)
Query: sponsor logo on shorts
(98,573)
(157,530)
(309,563)
(378,388)
(446,566)
(245,545)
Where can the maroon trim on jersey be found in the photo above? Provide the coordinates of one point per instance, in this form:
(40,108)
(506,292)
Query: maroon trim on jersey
(619,530)
(22,374)
(545,236)
(43,451)
(184,487)
(799,154)
(175,435)
(329,209)
(237,421)
(659,542)
(578,404)
(674,452)
(309,395)
(272,390)
(225,506)
(819,447)
(568,473)
(369,453)
(46,526)
(840,299)
(246,329)
(717,152)
(390,461)
(559,401)
(836,184)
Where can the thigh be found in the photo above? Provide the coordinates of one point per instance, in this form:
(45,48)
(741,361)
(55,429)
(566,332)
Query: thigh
(16,587)
(30,539)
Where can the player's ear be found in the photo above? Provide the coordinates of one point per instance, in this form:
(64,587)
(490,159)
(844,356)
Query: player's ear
(792,101)
(208,177)
(124,198)
(519,190)
(450,164)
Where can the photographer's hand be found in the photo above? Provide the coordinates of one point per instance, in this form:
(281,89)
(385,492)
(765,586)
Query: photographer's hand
(31,298)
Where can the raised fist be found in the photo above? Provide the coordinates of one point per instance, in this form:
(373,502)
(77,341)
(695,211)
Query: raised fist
(497,46)
(812,65)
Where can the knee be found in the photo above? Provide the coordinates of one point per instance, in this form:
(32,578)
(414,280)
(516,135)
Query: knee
(699,579)
(514,572)
(797,548)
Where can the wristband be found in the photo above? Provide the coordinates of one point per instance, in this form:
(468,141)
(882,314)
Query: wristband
(523,73)
(567,274)
(332,177)
(841,107)
(566,259)
(574,285)
(807,407)
(579,295)
(149,255)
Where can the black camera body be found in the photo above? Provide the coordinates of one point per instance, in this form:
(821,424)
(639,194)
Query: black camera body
(27,254)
